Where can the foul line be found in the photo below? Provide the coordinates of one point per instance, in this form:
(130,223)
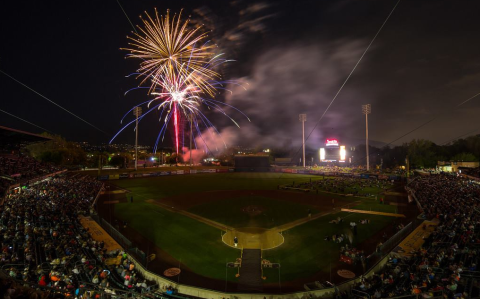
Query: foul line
(373,213)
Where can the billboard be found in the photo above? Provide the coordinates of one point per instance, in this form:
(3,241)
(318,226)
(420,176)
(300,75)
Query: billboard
(331,142)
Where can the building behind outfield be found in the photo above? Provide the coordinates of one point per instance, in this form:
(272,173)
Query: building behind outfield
(252,163)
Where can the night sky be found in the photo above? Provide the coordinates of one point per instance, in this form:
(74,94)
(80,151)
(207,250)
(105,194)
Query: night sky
(292,56)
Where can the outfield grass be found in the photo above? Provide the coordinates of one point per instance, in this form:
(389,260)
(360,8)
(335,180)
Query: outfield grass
(305,252)
(160,187)
(199,246)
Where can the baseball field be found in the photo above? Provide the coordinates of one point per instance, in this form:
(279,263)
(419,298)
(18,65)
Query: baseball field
(188,221)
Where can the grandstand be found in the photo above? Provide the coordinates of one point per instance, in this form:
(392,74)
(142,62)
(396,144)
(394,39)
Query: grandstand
(46,251)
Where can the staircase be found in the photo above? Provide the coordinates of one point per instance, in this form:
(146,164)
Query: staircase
(251,273)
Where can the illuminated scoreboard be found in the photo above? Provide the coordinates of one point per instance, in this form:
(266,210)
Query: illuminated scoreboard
(333,152)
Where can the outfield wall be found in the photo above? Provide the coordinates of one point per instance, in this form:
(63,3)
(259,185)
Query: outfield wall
(225,170)
(162,173)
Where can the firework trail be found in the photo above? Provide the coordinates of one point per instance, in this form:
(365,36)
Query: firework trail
(178,65)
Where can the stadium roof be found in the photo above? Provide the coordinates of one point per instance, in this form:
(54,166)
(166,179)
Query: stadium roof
(12,136)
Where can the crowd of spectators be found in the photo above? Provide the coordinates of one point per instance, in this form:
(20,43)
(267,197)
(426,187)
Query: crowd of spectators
(17,167)
(347,185)
(44,243)
(335,169)
(448,259)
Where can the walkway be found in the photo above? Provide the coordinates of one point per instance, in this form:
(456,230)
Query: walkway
(251,272)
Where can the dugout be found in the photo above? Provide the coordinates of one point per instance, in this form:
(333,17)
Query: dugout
(252,164)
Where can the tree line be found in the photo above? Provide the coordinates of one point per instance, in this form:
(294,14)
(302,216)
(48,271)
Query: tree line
(421,153)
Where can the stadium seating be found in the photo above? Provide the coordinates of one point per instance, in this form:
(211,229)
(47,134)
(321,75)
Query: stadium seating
(44,243)
(446,265)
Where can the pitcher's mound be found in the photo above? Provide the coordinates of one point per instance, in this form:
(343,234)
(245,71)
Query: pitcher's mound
(253,210)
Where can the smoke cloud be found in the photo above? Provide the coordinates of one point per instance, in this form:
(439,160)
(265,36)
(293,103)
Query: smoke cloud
(211,142)
(287,81)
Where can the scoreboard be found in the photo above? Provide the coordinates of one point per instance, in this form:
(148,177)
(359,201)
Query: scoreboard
(333,152)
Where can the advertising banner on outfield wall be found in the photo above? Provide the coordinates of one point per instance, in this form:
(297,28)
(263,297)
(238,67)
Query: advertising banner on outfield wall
(206,170)
(113,177)
(124,176)
(180,172)
(193,171)
(222,170)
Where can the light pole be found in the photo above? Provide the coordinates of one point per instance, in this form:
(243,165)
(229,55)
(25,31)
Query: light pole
(191,137)
(367,109)
(303,119)
(137,112)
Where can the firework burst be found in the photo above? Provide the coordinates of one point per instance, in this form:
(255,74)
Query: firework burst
(166,46)
(179,65)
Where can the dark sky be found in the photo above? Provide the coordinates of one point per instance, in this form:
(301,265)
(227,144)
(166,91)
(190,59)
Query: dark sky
(292,56)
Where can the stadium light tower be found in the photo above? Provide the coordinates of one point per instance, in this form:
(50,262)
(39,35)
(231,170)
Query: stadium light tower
(303,119)
(191,138)
(137,112)
(367,109)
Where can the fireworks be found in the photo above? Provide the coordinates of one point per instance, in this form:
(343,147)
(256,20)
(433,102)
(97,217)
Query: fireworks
(167,47)
(179,65)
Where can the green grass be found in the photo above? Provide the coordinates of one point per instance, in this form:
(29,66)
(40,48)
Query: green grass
(230,212)
(199,246)
(376,207)
(311,253)
(195,244)
(160,187)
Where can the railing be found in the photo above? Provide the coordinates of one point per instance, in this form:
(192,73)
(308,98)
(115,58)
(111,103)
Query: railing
(123,241)
(393,241)
(98,195)
(119,237)
(412,193)
(361,294)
